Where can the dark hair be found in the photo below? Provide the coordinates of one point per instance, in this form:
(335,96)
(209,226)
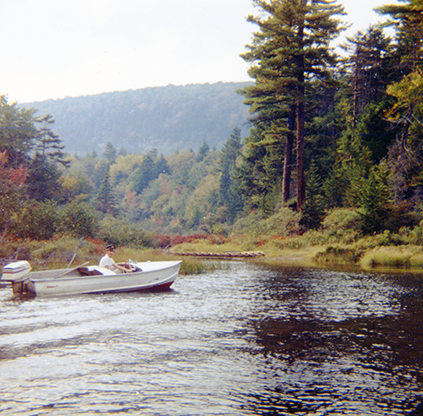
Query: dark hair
(110,247)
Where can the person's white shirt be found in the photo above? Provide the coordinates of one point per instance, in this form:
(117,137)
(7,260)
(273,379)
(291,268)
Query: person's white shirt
(107,262)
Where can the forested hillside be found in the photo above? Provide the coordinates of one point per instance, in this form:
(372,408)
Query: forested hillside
(330,137)
(169,119)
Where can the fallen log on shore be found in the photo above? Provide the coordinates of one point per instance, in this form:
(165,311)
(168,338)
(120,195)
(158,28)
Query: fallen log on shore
(227,254)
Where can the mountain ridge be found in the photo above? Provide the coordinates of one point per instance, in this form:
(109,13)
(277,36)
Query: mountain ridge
(170,118)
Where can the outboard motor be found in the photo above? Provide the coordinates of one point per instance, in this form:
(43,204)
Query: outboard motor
(15,273)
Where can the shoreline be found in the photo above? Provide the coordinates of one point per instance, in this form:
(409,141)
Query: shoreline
(367,254)
(395,259)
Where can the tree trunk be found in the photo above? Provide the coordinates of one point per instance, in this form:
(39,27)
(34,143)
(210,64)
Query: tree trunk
(300,118)
(406,127)
(300,156)
(355,97)
(287,166)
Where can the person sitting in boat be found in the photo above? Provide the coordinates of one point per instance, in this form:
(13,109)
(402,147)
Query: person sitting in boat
(108,262)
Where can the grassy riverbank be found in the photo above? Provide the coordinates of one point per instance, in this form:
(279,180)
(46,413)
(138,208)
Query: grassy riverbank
(365,253)
(323,248)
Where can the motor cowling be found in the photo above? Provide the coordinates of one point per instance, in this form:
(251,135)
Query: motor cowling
(16,271)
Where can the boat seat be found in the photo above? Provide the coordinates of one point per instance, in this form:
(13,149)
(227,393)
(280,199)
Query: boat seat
(85,271)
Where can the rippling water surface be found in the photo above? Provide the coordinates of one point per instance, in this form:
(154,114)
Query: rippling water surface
(244,340)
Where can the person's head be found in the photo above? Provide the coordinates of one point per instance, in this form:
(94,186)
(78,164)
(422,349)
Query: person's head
(110,249)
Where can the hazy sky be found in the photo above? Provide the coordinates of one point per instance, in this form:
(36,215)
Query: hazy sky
(58,48)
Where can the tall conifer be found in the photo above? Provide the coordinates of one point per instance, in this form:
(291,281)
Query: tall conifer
(406,153)
(290,50)
(48,144)
(105,199)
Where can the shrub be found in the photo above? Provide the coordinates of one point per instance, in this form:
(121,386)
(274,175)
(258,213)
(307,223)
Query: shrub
(161,241)
(400,216)
(222,229)
(285,222)
(95,246)
(342,225)
(8,249)
(181,239)
(313,211)
(37,221)
(338,255)
(79,220)
(58,251)
(373,196)
(389,239)
(249,225)
(415,236)
(122,232)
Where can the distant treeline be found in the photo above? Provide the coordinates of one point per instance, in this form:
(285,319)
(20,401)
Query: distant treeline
(168,119)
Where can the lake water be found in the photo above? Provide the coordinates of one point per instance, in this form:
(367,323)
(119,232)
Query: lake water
(243,340)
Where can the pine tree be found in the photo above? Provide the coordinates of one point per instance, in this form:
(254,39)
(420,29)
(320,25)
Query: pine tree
(17,133)
(369,68)
(44,179)
(144,174)
(203,151)
(407,20)
(48,144)
(291,50)
(110,153)
(373,197)
(105,200)
(228,195)
(314,209)
(161,167)
(407,113)
(252,180)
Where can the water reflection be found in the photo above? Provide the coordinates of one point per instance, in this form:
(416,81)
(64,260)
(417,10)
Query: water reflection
(340,343)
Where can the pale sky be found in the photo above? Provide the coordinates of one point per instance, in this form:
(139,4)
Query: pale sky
(58,48)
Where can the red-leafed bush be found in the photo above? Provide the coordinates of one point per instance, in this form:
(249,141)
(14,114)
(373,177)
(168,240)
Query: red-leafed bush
(177,239)
(97,245)
(213,239)
(161,241)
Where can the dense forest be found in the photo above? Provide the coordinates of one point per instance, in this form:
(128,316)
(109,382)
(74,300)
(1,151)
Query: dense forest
(329,132)
(168,119)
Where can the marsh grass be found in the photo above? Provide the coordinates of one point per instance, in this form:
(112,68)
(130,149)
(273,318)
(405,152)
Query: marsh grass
(338,255)
(404,257)
(206,246)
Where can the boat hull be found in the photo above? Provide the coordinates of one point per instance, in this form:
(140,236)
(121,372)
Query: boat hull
(154,276)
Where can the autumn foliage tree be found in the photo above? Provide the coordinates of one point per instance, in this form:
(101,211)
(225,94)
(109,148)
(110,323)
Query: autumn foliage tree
(32,146)
(12,193)
(406,113)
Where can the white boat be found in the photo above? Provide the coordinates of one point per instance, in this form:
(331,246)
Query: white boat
(155,275)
